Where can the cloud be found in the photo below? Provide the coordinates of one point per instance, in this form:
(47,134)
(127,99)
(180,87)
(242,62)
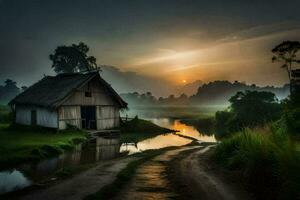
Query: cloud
(229,57)
(263,30)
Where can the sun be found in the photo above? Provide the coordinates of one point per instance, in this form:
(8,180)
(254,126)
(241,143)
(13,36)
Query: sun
(184,81)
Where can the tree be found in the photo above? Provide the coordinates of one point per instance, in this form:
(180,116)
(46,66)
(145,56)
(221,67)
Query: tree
(286,53)
(8,91)
(10,83)
(248,109)
(254,108)
(74,58)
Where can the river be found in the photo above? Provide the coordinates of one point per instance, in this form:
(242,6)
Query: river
(95,151)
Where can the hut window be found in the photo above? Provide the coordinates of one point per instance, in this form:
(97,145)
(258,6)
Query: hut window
(88,94)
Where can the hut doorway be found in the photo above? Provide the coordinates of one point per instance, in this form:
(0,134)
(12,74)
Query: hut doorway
(33,118)
(88,116)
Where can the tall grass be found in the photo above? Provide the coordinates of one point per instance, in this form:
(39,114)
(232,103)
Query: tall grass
(268,160)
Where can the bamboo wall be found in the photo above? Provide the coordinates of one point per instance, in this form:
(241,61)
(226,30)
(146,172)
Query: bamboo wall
(69,115)
(44,117)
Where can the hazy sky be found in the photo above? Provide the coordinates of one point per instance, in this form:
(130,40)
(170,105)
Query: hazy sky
(169,39)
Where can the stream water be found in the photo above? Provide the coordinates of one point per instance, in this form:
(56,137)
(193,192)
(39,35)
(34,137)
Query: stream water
(95,151)
(166,140)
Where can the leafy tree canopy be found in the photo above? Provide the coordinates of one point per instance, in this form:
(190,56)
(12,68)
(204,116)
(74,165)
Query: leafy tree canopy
(74,58)
(248,109)
(286,53)
(8,91)
(253,107)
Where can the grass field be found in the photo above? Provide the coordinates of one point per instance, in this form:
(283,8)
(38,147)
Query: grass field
(20,144)
(5,114)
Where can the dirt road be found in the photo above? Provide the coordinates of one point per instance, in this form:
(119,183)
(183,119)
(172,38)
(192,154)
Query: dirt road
(176,174)
(150,180)
(199,180)
(83,184)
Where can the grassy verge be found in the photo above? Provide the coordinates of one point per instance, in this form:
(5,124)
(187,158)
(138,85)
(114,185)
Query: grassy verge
(125,175)
(19,144)
(268,160)
(139,129)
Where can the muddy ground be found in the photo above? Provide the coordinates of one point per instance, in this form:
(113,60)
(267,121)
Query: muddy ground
(195,175)
(187,172)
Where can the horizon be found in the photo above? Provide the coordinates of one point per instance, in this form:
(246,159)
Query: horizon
(177,89)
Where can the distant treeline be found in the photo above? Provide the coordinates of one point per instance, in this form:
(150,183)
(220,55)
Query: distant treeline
(9,90)
(212,93)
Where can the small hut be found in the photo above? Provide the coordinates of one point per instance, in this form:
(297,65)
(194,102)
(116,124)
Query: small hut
(83,100)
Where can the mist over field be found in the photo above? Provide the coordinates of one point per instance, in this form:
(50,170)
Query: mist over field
(128,81)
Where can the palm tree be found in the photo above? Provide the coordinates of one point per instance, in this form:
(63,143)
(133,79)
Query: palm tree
(286,53)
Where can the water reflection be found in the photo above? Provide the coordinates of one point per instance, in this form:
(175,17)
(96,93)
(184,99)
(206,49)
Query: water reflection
(12,180)
(97,150)
(166,140)
(91,152)
(157,142)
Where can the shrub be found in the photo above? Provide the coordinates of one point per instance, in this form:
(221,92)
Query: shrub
(225,123)
(247,109)
(292,119)
(269,162)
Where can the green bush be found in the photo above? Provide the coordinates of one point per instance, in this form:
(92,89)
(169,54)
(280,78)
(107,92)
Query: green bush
(225,123)
(247,109)
(268,160)
(292,119)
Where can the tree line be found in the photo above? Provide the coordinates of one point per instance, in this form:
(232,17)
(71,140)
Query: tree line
(212,93)
(75,59)
(249,109)
(9,90)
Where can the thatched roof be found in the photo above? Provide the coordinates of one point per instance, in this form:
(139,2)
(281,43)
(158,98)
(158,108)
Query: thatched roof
(51,91)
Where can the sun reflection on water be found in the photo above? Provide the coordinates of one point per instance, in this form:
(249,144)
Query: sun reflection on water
(166,140)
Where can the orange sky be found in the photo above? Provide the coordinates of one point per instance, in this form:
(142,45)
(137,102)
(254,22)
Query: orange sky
(171,40)
(237,57)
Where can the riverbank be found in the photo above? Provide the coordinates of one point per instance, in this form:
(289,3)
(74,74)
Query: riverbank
(21,144)
(105,178)
(78,186)
(205,125)
(137,129)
